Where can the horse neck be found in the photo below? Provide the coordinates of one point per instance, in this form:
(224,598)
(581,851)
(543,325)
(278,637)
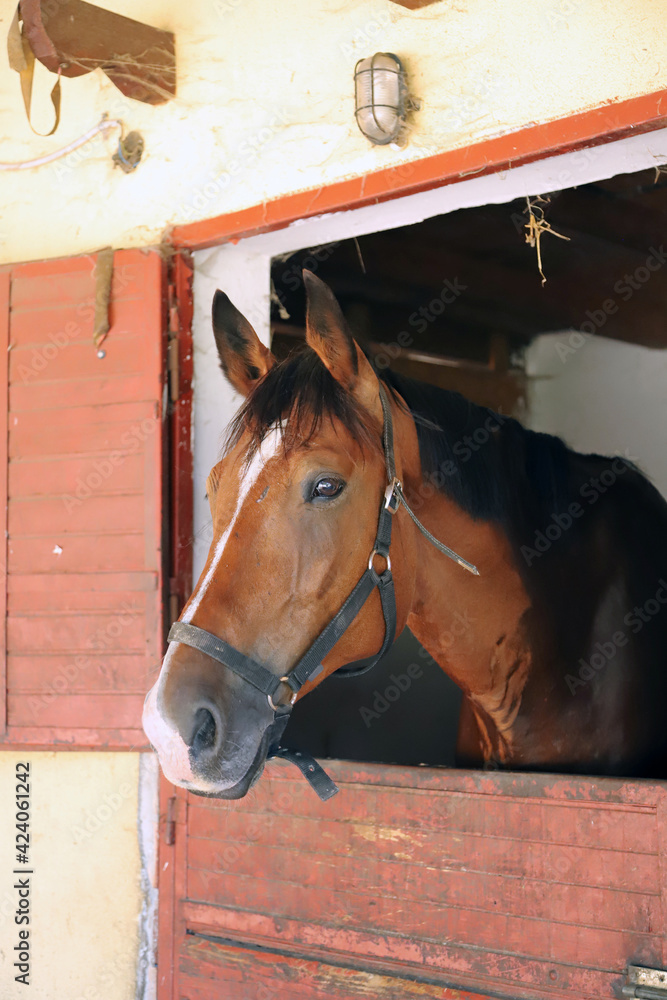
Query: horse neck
(473,627)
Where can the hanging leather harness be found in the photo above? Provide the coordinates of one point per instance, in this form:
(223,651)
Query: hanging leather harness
(310,663)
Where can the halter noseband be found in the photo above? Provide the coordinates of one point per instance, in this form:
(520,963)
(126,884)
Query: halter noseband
(310,663)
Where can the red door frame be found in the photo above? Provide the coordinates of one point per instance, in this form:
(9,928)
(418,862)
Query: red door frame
(611,121)
(606,123)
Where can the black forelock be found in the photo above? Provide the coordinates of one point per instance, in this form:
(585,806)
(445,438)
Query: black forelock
(299,394)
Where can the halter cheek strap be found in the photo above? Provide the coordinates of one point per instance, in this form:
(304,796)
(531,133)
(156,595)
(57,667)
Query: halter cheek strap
(310,664)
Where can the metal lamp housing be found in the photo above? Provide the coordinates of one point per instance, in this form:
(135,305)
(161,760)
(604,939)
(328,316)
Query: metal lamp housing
(380,97)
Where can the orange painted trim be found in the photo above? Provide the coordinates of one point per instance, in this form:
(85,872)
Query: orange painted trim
(614,120)
(5,287)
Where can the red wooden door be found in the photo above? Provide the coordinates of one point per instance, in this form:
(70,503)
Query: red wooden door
(413,882)
(83,480)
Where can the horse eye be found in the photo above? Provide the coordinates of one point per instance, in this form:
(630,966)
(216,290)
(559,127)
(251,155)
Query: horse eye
(327,488)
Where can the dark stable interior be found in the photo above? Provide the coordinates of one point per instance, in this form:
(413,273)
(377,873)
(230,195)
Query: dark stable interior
(465,291)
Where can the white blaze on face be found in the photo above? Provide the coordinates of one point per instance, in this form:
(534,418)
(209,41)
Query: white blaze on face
(263,454)
(172,749)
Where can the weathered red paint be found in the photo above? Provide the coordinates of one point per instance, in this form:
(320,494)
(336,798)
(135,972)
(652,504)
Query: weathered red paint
(84,475)
(246,972)
(520,885)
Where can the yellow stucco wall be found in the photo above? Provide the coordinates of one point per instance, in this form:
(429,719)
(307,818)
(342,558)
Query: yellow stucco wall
(265,105)
(86,892)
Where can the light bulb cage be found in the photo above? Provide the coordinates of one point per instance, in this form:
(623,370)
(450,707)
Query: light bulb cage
(372,67)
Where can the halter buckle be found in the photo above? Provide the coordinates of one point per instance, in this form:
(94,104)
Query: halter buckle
(283,680)
(392,497)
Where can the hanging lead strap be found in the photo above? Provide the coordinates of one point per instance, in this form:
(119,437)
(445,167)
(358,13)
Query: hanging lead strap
(394,495)
(440,546)
(22,59)
(314,773)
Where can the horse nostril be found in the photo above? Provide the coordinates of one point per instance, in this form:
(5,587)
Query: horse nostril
(204,731)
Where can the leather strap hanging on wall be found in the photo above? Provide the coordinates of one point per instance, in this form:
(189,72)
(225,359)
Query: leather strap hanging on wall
(103,276)
(74,38)
(22,59)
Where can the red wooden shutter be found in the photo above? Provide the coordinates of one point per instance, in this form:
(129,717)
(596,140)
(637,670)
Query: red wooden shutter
(84,487)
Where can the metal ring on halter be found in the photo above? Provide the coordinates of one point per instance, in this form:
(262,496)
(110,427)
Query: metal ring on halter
(283,680)
(376,552)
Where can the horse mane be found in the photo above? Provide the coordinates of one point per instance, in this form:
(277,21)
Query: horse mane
(487,463)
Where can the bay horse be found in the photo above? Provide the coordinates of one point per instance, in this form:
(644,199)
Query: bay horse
(562,665)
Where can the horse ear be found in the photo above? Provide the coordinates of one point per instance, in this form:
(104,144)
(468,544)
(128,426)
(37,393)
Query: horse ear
(330,337)
(243,357)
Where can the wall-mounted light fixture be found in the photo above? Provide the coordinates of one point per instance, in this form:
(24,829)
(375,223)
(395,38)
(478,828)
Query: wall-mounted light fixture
(381,97)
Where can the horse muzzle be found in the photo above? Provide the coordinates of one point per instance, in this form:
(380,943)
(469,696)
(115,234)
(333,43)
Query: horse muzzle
(200,750)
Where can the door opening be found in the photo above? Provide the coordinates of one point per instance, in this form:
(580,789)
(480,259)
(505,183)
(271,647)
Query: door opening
(457,300)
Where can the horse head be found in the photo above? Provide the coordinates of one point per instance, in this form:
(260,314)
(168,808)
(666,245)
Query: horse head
(294,506)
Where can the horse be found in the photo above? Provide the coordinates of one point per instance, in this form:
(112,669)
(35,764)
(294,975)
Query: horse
(557,562)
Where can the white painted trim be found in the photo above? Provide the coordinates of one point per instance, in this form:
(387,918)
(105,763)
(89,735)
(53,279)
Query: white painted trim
(243,270)
(147,832)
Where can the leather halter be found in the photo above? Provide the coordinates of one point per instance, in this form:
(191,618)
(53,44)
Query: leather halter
(310,663)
